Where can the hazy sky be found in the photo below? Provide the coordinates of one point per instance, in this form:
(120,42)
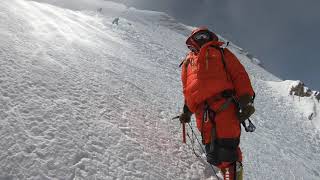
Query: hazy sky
(283,34)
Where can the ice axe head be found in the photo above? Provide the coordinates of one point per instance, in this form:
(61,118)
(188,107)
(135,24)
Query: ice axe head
(250,127)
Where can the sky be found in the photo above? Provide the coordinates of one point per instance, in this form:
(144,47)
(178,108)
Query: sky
(283,34)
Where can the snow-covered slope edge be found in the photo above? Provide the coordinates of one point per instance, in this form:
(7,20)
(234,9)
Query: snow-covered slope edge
(305,100)
(83,99)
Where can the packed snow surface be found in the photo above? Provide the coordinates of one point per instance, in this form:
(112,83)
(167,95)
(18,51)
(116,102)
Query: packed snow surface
(308,106)
(81,98)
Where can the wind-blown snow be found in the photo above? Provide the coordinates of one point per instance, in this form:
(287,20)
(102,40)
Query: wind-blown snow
(81,98)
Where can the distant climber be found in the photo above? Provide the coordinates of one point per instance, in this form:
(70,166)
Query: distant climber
(317,94)
(217,89)
(116,21)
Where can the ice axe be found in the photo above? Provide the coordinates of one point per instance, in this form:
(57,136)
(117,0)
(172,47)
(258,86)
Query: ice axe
(249,128)
(183,130)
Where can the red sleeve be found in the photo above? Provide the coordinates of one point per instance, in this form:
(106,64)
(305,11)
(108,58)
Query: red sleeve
(239,75)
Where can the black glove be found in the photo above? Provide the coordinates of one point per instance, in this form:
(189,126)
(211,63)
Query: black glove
(246,107)
(246,112)
(185,117)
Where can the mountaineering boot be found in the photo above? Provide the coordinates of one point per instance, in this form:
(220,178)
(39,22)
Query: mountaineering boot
(233,172)
(228,173)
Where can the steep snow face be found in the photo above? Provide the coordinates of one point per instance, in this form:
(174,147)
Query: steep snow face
(81,98)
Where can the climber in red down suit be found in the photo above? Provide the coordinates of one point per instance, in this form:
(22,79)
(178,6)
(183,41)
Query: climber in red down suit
(215,85)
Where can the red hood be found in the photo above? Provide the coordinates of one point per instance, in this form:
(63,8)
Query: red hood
(191,42)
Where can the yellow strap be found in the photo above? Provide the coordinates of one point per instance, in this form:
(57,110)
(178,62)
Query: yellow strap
(239,171)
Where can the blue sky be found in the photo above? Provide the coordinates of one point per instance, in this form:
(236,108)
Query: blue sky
(283,34)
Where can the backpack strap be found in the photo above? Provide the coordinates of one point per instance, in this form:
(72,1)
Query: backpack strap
(224,64)
(221,50)
(181,63)
(185,60)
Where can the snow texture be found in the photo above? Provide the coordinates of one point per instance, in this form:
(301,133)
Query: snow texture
(81,98)
(308,106)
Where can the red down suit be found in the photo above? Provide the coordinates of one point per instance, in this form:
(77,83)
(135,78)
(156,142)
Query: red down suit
(204,76)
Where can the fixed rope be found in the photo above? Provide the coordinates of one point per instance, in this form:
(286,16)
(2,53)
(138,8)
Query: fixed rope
(203,151)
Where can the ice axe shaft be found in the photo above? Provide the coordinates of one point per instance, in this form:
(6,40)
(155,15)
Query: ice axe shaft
(184,133)
(177,117)
(184,137)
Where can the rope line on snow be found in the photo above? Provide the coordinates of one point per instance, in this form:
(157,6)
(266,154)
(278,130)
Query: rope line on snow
(192,140)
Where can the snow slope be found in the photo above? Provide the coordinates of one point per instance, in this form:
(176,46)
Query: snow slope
(308,106)
(81,98)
